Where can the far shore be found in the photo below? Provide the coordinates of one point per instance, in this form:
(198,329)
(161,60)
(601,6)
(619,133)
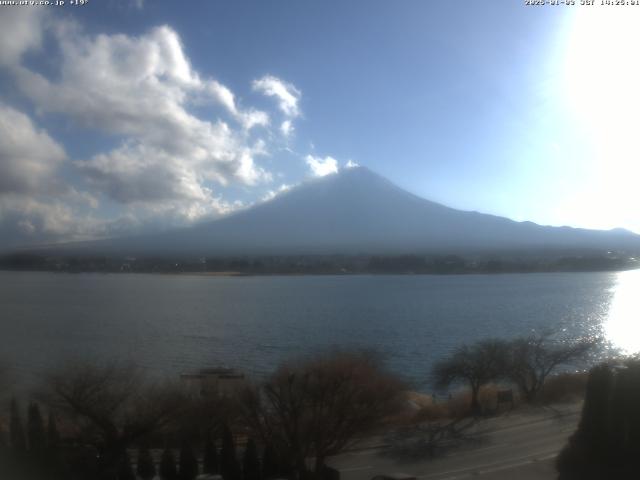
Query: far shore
(231,273)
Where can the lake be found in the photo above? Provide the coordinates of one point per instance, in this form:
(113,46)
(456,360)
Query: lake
(174,323)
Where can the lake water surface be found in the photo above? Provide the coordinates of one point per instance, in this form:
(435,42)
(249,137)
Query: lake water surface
(173,323)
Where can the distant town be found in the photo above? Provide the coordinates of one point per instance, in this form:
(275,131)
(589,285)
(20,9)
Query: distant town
(328,264)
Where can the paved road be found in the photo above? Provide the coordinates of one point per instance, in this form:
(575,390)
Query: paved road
(520,446)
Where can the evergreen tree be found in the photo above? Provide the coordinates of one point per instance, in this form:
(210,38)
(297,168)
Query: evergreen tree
(210,461)
(168,469)
(125,470)
(52,460)
(188,462)
(53,436)
(146,467)
(594,425)
(16,430)
(35,431)
(270,466)
(229,466)
(251,462)
(607,441)
(3,451)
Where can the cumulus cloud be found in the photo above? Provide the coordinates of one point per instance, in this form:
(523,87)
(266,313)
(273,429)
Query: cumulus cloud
(20,31)
(285,93)
(321,167)
(28,220)
(140,88)
(225,97)
(134,86)
(35,205)
(28,155)
(138,173)
(166,165)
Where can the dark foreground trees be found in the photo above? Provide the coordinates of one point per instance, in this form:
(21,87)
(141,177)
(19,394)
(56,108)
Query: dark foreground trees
(229,464)
(168,470)
(17,437)
(525,362)
(36,433)
(607,441)
(111,407)
(188,462)
(318,407)
(474,365)
(251,462)
(307,410)
(210,461)
(532,359)
(146,468)
(29,453)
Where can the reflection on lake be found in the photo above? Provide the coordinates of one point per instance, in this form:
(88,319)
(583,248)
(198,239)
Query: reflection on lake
(171,323)
(622,327)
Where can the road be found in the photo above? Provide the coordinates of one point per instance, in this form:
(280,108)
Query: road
(520,445)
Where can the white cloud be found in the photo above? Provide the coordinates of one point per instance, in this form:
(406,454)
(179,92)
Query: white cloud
(35,205)
(28,156)
(287,95)
(167,161)
(286,128)
(140,88)
(139,173)
(20,31)
(351,164)
(226,98)
(156,181)
(29,219)
(271,194)
(321,167)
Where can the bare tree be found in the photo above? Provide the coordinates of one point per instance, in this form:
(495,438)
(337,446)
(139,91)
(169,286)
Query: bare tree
(318,407)
(111,407)
(532,359)
(475,365)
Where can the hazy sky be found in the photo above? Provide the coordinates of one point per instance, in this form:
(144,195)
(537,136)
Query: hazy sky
(121,116)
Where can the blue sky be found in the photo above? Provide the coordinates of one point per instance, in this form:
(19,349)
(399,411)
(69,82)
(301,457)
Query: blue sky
(123,116)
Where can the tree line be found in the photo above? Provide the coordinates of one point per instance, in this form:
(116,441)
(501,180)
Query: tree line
(109,422)
(36,451)
(330,264)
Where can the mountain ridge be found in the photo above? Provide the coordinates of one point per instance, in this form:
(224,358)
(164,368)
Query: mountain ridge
(357,211)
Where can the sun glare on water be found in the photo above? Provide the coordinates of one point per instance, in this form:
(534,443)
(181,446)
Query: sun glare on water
(622,327)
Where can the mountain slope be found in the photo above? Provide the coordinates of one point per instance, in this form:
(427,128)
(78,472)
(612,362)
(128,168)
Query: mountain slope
(358,211)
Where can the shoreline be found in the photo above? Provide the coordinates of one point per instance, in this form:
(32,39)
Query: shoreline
(314,274)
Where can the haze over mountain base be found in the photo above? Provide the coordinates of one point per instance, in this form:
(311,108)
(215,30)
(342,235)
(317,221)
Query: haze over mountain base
(357,212)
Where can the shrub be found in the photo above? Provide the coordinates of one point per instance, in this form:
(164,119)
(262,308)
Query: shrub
(564,387)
